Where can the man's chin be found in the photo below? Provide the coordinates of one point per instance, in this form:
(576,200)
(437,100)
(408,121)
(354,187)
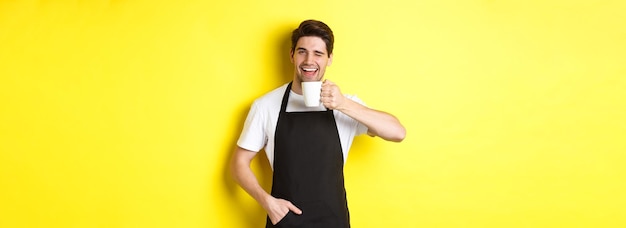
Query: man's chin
(309,78)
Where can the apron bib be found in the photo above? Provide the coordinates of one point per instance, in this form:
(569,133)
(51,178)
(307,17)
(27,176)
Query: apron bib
(308,169)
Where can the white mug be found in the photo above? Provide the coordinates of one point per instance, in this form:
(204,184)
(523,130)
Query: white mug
(311,92)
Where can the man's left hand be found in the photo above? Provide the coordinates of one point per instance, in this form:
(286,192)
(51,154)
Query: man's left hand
(331,95)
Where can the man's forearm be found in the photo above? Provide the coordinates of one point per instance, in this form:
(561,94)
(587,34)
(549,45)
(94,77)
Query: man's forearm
(379,123)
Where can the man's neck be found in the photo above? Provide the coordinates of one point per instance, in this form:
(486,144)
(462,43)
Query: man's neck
(296,87)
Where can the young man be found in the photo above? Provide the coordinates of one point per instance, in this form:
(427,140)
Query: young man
(306,146)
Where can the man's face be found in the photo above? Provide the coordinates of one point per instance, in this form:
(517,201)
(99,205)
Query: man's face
(310,59)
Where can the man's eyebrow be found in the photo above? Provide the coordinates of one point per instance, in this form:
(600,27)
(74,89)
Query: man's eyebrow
(304,49)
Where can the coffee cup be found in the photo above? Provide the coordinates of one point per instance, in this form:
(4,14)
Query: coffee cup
(311,92)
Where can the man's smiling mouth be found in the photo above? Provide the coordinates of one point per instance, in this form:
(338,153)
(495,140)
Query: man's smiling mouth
(308,69)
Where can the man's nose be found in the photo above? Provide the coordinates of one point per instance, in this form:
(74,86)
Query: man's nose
(308,58)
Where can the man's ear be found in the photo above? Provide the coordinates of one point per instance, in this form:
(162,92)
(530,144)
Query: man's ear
(291,56)
(330,60)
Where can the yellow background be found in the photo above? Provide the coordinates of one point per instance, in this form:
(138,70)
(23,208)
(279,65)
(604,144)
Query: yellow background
(124,113)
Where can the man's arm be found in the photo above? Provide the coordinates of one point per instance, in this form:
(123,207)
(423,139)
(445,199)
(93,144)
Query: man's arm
(243,175)
(379,123)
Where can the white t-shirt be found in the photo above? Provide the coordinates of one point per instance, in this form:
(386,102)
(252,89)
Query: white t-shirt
(258,130)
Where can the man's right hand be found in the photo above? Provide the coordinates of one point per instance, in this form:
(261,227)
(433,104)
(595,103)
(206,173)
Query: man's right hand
(277,209)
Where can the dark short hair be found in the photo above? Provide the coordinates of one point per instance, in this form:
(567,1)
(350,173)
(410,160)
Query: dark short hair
(313,28)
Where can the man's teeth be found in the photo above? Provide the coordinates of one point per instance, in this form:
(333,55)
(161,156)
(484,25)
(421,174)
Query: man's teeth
(309,69)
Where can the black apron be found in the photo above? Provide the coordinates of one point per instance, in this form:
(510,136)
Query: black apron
(308,169)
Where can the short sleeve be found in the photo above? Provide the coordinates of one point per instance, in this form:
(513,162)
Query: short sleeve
(360,128)
(253,136)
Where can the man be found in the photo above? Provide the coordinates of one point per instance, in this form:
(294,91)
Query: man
(306,146)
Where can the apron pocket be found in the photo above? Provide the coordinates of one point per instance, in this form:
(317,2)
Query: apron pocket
(286,221)
(318,214)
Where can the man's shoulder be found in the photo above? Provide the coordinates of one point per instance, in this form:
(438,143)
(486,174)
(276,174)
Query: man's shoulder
(271,98)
